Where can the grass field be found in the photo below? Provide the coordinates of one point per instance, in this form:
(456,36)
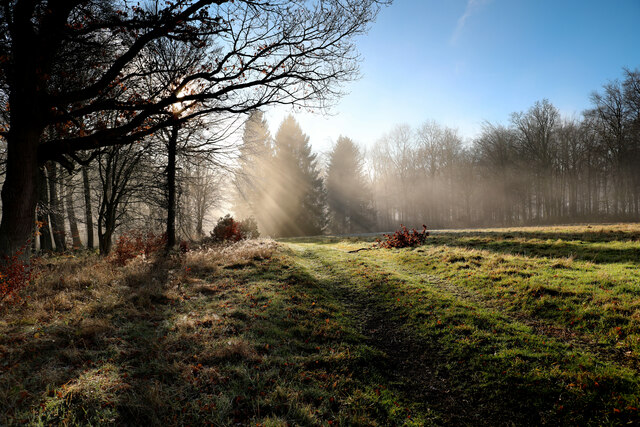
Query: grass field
(480,327)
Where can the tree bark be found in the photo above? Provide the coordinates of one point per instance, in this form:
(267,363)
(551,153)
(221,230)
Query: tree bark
(57,221)
(106,227)
(105,240)
(71,214)
(171,187)
(46,244)
(20,189)
(87,207)
(26,124)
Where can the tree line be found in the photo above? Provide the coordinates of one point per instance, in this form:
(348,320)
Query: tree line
(539,168)
(117,116)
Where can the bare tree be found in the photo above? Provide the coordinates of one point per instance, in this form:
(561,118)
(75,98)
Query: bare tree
(73,62)
(535,132)
(611,122)
(117,168)
(56,209)
(44,230)
(88,215)
(495,150)
(202,191)
(68,189)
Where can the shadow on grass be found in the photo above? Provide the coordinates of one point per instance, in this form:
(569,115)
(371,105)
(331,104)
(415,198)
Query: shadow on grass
(266,341)
(471,366)
(257,344)
(80,361)
(594,247)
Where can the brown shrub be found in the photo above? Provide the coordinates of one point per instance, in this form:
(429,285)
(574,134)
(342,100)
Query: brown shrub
(403,238)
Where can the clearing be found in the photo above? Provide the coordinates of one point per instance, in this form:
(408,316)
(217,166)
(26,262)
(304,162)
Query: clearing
(535,325)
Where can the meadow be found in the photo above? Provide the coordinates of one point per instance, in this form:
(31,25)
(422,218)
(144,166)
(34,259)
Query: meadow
(537,325)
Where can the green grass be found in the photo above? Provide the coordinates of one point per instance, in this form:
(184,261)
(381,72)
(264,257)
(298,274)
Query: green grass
(504,326)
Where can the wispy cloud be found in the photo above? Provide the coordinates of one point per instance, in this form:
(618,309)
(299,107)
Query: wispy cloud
(472,7)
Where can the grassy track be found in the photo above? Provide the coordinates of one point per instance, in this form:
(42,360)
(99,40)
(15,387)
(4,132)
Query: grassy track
(486,327)
(521,335)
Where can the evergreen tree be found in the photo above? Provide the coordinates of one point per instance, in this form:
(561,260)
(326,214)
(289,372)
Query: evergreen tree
(253,178)
(348,196)
(298,188)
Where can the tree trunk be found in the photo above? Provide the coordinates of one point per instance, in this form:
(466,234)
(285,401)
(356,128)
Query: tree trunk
(199,227)
(105,240)
(57,221)
(71,214)
(171,187)
(20,189)
(46,244)
(106,228)
(26,124)
(87,207)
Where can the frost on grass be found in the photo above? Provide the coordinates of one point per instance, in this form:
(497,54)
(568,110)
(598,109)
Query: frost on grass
(229,255)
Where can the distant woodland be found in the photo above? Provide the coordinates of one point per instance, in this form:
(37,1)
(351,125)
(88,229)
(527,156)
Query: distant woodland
(539,168)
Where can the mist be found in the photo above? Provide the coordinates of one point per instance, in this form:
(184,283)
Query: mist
(538,167)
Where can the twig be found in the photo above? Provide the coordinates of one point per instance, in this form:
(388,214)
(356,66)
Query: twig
(358,250)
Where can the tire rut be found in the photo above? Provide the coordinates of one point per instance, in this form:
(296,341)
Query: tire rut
(412,366)
(575,339)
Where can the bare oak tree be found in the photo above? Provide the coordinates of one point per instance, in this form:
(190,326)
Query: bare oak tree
(72,63)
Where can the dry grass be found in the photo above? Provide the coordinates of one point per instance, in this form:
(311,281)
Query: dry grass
(85,325)
(210,259)
(629,228)
(229,350)
(74,283)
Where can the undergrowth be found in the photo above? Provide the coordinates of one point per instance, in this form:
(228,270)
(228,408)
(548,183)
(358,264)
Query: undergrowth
(16,273)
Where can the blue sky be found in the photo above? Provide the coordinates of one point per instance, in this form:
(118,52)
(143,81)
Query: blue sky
(461,62)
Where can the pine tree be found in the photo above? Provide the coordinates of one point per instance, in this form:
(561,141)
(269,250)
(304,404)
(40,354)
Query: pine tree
(348,196)
(253,178)
(298,187)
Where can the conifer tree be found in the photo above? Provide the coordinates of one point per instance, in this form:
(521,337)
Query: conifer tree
(253,177)
(298,189)
(348,196)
